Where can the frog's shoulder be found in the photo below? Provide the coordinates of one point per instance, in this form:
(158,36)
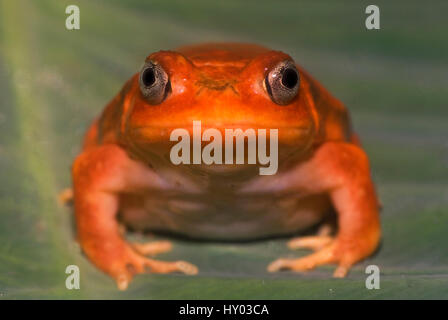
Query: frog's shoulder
(107,127)
(333,117)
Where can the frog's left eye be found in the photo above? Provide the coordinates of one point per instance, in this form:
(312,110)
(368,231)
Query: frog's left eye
(154,83)
(282,83)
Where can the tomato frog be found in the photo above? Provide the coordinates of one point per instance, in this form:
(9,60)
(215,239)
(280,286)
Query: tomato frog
(124,174)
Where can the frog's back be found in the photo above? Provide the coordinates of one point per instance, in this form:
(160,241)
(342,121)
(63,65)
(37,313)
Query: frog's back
(222,53)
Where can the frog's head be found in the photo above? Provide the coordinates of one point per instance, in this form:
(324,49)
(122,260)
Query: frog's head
(224,87)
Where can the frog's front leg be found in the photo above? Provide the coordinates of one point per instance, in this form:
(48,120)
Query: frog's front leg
(100,174)
(342,171)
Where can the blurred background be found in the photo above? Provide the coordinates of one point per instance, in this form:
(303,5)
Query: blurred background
(53,82)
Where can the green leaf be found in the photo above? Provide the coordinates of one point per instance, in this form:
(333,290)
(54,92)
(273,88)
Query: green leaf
(53,82)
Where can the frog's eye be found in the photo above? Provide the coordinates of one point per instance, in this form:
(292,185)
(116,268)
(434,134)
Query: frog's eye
(154,83)
(282,83)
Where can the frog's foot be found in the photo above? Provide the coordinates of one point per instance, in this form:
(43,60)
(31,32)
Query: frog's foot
(322,256)
(344,254)
(152,248)
(130,263)
(322,239)
(65,196)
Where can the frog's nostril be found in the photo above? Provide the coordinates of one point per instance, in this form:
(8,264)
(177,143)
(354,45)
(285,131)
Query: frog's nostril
(215,84)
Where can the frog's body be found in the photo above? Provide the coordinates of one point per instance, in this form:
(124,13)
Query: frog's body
(223,216)
(125,168)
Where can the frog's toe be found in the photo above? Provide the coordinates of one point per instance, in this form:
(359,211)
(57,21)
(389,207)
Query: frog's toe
(123,281)
(312,242)
(336,253)
(280,264)
(323,256)
(301,264)
(152,248)
(341,271)
(155,266)
(65,196)
(132,263)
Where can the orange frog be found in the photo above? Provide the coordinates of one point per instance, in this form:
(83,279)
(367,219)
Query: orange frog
(124,174)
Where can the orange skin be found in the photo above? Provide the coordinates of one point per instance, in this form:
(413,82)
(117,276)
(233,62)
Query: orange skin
(124,171)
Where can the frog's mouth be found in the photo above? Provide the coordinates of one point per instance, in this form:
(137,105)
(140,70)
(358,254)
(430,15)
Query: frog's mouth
(294,136)
(252,151)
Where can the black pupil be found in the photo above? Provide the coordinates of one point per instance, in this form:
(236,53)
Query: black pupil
(290,78)
(148,77)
